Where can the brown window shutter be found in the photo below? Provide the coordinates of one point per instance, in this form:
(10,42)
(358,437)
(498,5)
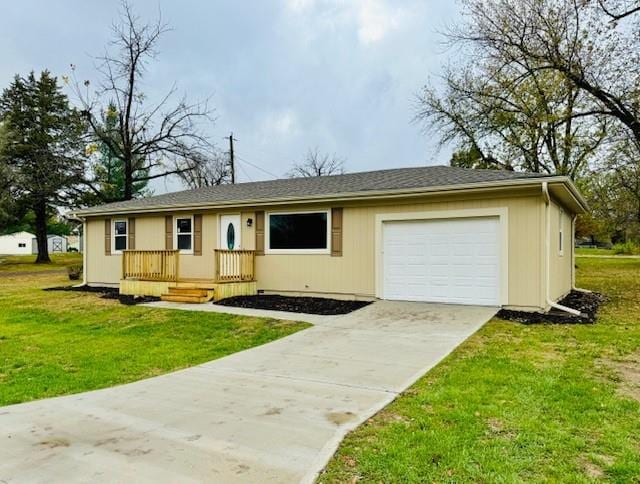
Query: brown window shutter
(336,232)
(197,235)
(131,228)
(107,236)
(260,233)
(168,232)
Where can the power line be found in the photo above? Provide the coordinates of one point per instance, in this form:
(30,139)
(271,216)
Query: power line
(256,167)
(245,172)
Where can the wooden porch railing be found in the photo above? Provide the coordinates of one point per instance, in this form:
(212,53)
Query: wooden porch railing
(235,265)
(150,265)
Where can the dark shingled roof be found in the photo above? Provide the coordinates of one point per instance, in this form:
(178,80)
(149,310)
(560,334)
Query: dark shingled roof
(427,177)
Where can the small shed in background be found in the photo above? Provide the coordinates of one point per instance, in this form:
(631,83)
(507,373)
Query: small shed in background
(55,244)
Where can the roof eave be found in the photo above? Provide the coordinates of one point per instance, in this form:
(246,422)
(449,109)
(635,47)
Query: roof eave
(579,203)
(362,195)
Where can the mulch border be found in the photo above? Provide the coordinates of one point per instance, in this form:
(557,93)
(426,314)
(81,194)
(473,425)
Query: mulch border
(107,293)
(588,303)
(295,304)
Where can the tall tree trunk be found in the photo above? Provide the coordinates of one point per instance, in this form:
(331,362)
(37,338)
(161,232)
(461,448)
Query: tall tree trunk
(41,232)
(128,179)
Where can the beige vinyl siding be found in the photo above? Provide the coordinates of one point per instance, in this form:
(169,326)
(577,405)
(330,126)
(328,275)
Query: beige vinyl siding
(150,233)
(353,274)
(101,268)
(560,265)
(150,230)
(202,266)
(248,233)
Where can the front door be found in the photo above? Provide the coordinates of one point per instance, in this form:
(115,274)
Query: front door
(230,232)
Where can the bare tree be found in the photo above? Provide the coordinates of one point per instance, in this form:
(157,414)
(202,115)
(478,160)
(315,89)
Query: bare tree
(151,140)
(512,118)
(317,164)
(573,38)
(619,9)
(209,171)
(551,86)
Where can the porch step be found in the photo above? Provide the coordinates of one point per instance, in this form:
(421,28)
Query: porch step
(188,295)
(187,291)
(184,299)
(196,284)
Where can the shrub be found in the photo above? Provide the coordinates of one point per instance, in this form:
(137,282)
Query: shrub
(626,248)
(74,272)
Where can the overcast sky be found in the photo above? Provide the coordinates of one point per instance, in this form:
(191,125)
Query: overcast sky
(283,75)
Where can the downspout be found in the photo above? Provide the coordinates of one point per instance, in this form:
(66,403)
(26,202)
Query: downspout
(547,216)
(573,258)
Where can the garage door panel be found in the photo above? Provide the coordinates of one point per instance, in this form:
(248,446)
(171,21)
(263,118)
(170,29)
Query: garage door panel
(453,260)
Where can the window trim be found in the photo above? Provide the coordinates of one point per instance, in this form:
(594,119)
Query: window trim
(561,233)
(267,233)
(175,233)
(113,235)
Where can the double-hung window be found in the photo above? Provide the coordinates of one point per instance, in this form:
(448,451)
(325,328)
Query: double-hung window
(184,234)
(120,232)
(298,232)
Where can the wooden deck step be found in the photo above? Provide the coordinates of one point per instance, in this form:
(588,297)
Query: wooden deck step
(184,298)
(195,284)
(194,295)
(186,291)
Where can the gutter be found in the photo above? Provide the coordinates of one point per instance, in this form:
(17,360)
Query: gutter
(363,195)
(547,216)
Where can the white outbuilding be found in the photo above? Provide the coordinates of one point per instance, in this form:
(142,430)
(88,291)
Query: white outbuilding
(16,244)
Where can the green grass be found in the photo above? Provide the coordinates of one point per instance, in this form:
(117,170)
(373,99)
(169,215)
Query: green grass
(56,343)
(519,403)
(594,251)
(26,263)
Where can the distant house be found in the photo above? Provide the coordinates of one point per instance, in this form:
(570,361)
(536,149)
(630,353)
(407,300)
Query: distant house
(18,243)
(55,243)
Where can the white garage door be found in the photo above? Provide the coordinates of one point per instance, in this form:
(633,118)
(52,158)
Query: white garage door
(451,260)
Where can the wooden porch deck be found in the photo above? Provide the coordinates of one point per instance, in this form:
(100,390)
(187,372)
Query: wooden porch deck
(157,273)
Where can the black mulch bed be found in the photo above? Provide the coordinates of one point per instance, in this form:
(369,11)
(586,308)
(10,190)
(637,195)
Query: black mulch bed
(309,305)
(585,302)
(107,293)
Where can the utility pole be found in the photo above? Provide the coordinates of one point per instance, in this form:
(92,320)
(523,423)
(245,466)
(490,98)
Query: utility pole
(232,165)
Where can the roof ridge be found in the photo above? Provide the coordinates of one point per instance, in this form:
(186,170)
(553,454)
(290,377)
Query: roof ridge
(389,179)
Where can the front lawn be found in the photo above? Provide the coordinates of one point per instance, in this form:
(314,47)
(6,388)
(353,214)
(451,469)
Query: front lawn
(518,403)
(26,263)
(55,343)
(593,251)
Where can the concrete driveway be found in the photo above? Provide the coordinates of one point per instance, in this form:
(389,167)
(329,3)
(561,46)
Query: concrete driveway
(275,413)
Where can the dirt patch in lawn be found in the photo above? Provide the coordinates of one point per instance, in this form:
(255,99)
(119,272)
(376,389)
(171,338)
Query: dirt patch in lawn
(107,293)
(587,303)
(308,305)
(626,374)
